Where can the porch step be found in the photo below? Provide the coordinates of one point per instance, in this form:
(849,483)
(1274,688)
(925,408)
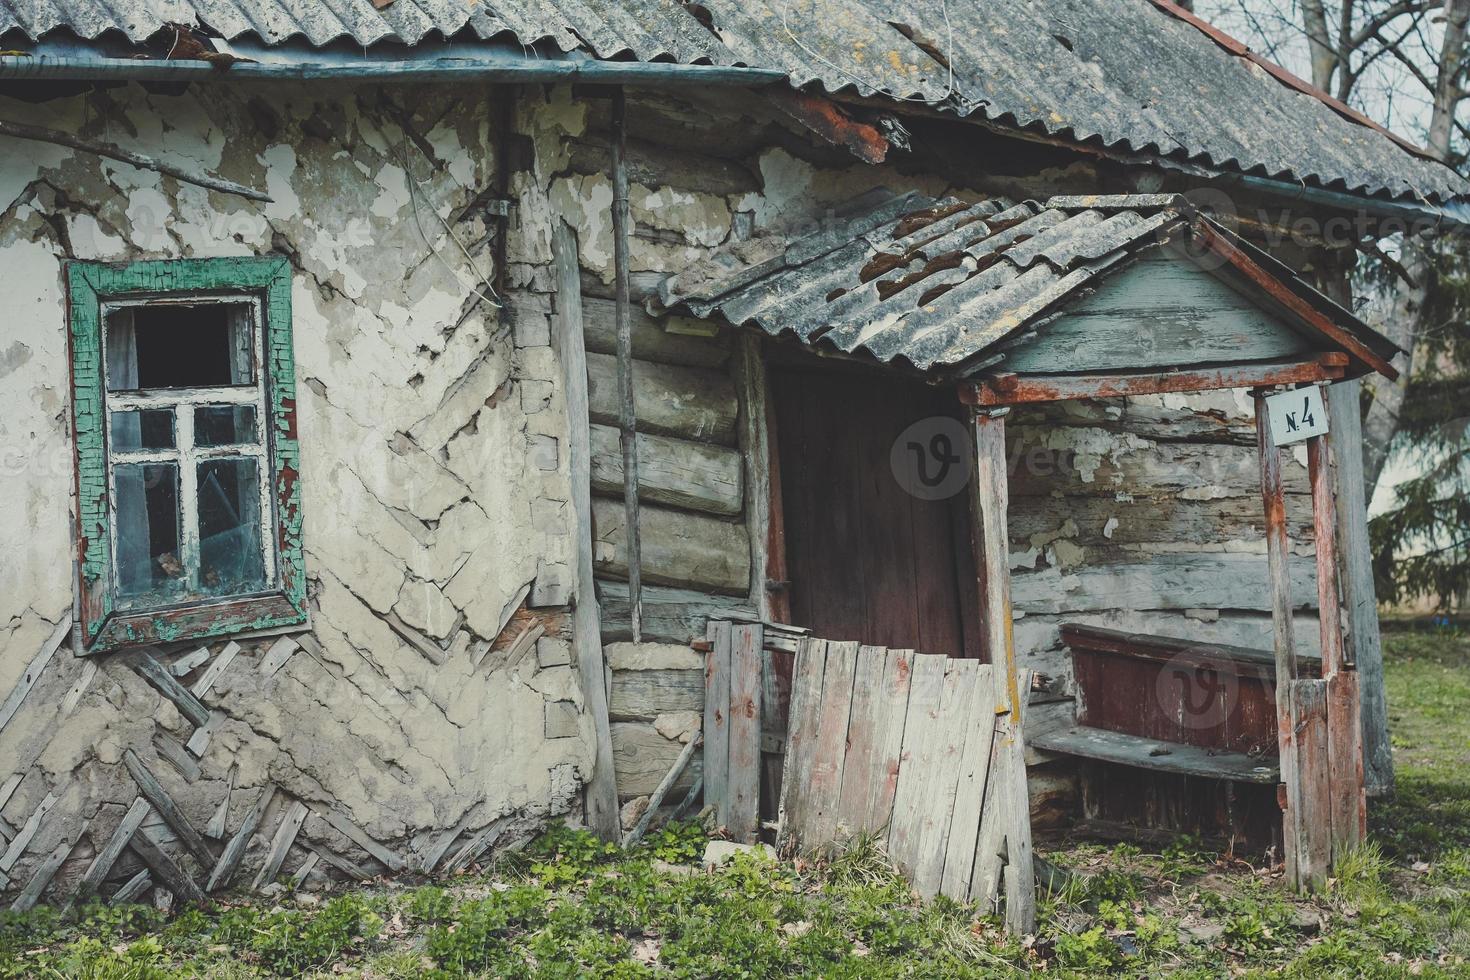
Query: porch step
(1158,756)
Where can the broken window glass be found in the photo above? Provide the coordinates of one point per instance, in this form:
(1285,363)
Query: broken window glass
(179,346)
(224,425)
(230,559)
(142,429)
(147,510)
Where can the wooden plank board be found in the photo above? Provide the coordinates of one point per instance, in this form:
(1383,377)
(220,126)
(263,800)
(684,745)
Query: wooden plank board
(45,871)
(969,801)
(102,863)
(717,719)
(132,889)
(358,836)
(79,688)
(1277,550)
(1085,742)
(155,794)
(1364,644)
(217,667)
(861,769)
(22,839)
(567,340)
(651,342)
(229,859)
(280,651)
(1313,804)
(742,798)
(646,694)
(919,762)
(1162,312)
(948,736)
(1345,763)
(822,792)
(33,671)
(165,868)
(146,666)
(889,720)
(1020,876)
(188,662)
(281,843)
(806,706)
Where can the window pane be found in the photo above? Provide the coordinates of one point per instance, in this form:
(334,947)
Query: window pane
(143,428)
(174,346)
(147,515)
(224,425)
(230,559)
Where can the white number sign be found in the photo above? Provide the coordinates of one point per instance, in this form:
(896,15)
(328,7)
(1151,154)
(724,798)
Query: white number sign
(1296,415)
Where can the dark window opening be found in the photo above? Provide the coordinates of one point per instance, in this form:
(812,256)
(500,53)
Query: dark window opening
(175,346)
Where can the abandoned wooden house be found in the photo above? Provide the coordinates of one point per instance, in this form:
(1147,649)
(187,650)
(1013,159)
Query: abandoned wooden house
(932,359)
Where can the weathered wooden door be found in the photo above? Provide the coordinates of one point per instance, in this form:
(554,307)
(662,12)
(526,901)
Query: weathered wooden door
(876,515)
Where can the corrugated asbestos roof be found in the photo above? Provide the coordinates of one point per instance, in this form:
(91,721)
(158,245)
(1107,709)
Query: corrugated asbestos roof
(936,285)
(1129,75)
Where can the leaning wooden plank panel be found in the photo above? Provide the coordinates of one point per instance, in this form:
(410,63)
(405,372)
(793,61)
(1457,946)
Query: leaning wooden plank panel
(974,763)
(806,706)
(861,768)
(717,719)
(919,765)
(742,801)
(889,721)
(947,747)
(829,749)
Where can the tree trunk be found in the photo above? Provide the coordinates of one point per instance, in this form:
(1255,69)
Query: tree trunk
(1324,53)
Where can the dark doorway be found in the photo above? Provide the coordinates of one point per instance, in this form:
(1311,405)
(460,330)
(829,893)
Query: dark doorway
(867,559)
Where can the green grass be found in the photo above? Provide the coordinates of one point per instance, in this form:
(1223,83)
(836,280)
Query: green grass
(570,906)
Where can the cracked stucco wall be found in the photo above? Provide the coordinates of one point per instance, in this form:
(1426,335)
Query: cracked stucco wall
(433,693)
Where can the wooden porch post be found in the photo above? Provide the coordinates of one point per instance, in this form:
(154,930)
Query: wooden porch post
(990,494)
(1300,705)
(1349,803)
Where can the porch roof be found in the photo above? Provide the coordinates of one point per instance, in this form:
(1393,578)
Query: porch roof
(941,286)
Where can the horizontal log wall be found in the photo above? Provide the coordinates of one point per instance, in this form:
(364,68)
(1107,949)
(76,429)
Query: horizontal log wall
(1144,514)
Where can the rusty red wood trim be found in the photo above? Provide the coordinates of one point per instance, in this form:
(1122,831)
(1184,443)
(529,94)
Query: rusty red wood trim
(826,119)
(1278,291)
(1016,389)
(1240,50)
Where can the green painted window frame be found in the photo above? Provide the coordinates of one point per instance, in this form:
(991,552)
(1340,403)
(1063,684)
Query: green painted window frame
(90,285)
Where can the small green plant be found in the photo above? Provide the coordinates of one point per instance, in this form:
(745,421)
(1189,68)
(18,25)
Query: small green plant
(676,842)
(1089,950)
(429,904)
(291,941)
